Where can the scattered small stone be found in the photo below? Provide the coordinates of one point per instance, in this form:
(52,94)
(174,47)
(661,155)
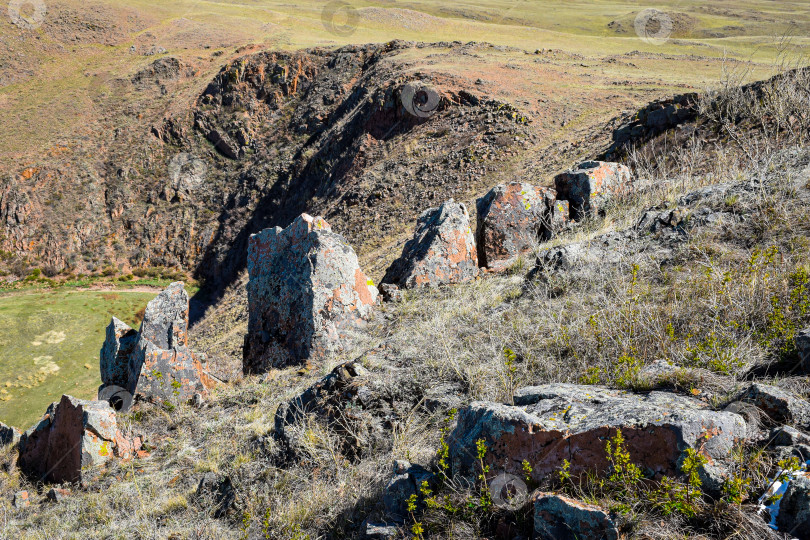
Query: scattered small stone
(58,495)
(391,293)
(21,500)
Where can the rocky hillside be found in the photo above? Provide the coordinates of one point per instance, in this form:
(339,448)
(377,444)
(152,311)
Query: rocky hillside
(182,168)
(629,359)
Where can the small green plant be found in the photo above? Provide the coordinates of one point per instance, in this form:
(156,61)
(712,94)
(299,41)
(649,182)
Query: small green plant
(485,498)
(735,489)
(624,476)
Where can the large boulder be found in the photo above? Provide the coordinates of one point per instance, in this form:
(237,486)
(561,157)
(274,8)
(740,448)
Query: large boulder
(592,184)
(560,518)
(512,221)
(557,422)
(306,294)
(441,251)
(73,438)
(155,363)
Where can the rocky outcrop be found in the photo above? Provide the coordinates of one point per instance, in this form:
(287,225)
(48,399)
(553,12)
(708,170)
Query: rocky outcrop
(652,120)
(512,220)
(306,295)
(72,438)
(441,251)
(155,363)
(407,481)
(557,422)
(591,185)
(560,518)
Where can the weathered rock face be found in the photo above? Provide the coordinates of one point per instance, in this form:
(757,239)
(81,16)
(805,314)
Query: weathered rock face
(794,509)
(8,435)
(120,342)
(592,184)
(155,363)
(561,518)
(780,405)
(441,251)
(165,322)
(556,422)
(72,438)
(512,220)
(306,291)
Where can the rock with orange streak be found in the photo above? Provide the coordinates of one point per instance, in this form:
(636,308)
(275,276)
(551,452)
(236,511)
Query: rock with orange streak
(512,221)
(155,363)
(71,441)
(442,250)
(306,295)
(553,423)
(591,185)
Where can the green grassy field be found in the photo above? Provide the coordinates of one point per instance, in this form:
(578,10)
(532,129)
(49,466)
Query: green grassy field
(49,344)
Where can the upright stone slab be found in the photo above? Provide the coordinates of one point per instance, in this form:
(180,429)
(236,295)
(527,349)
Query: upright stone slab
(306,292)
(114,356)
(592,184)
(441,251)
(557,422)
(512,221)
(9,435)
(156,362)
(73,437)
(165,322)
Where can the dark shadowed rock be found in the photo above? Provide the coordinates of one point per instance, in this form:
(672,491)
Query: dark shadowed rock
(557,422)
(441,251)
(780,405)
(72,439)
(9,435)
(165,322)
(803,346)
(794,509)
(57,495)
(306,291)
(512,220)
(218,493)
(591,185)
(788,436)
(406,481)
(560,518)
(120,342)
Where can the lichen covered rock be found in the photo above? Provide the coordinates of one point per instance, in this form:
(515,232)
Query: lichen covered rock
(306,294)
(592,184)
(73,437)
(155,363)
(441,251)
(512,220)
(557,422)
